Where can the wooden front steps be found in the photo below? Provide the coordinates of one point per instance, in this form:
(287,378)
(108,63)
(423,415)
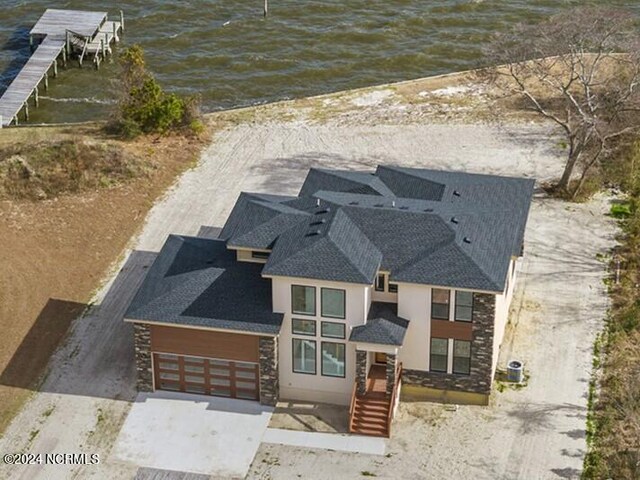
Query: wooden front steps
(370,415)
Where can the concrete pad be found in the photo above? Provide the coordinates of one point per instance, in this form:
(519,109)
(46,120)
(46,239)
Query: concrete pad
(327,441)
(192,433)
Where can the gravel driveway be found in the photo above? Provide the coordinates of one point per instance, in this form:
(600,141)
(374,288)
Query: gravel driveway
(536,432)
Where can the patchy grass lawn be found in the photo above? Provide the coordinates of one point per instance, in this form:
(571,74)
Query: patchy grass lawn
(70,200)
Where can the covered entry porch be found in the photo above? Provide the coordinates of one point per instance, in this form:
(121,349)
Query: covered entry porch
(378,373)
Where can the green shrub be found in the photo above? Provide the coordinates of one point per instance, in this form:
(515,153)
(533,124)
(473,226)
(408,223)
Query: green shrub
(620,210)
(144,107)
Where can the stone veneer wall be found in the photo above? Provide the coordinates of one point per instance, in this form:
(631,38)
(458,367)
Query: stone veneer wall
(479,380)
(269,386)
(361,371)
(142,342)
(391,373)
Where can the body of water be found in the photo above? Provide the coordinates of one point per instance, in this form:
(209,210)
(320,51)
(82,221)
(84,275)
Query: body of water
(226,52)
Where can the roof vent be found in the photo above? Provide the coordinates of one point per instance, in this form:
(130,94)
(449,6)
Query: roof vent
(354,203)
(456,193)
(313,233)
(393,203)
(317,202)
(404,207)
(428,209)
(319,222)
(466,240)
(379,205)
(454,220)
(324,210)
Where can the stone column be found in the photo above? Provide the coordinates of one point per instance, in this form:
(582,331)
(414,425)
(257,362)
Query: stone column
(269,385)
(361,372)
(391,373)
(142,343)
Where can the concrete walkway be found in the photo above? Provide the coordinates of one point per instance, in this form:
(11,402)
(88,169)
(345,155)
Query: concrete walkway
(327,441)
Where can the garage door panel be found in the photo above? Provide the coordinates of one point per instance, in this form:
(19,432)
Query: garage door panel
(203,343)
(207,376)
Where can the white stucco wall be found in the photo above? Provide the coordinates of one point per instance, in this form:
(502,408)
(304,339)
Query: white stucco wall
(318,388)
(503,302)
(414,304)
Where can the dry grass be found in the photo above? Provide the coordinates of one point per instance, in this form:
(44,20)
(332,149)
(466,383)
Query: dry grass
(42,170)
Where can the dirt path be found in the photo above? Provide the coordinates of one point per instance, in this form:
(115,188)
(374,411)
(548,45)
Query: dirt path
(86,397)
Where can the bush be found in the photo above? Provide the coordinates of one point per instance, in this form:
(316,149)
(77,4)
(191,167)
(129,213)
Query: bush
(144,107)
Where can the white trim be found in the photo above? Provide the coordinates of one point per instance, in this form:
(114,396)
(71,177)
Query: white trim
(195,327)
(374,347)
(450,356)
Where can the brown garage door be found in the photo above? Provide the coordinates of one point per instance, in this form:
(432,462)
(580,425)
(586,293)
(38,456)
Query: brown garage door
(208,376)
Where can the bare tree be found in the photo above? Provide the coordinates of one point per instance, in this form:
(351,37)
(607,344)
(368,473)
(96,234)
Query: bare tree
(579,69)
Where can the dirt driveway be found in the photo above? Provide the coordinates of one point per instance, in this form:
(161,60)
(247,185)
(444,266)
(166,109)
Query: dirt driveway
(537,432)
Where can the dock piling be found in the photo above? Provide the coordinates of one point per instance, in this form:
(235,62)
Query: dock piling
(46,82)
(36,98)
(122,21)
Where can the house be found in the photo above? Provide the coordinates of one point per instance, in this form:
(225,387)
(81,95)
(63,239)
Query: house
(365,286)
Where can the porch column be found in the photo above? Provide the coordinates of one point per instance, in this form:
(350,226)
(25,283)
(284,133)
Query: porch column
(391,373)
(361,371)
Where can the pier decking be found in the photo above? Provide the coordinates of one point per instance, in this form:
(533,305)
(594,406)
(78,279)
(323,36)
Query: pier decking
(61,33)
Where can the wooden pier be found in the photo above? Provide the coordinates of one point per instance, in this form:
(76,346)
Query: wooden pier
(58,35)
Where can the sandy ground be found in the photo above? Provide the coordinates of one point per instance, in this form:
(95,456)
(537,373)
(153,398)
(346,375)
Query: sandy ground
(536,432)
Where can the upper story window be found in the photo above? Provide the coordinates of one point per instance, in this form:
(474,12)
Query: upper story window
(393,288)
(303,300)
(380,281)
(440,299)
(333,303)
(464,306)
(259,255)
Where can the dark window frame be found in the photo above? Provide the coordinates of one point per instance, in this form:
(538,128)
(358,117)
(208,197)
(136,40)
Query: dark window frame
(260,255)
(344,369)
(293,352)
(315,327)
(453,355)
(455,309)
(448,317)
(384,282)
(344,330)
(446,357)
(315,306)
(393,287)
(344,302)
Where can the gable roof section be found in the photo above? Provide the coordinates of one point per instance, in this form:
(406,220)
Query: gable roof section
(343,181)
(383,327)
(328,247)
(198,282)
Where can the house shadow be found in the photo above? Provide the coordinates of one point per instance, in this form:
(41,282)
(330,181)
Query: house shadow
(78,349)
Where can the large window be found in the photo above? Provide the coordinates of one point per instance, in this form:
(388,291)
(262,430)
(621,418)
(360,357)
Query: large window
(332,330)
(440,303)
(303,327)
(464,306)
(461,357)
(333,303)
(439,349)
(304,356)
(333,359)
(303,300)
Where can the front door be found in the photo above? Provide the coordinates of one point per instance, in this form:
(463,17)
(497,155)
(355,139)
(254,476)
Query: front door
(381,358)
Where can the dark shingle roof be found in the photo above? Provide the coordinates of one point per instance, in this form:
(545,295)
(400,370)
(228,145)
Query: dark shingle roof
(198,282)
(423,226)
(383,326)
